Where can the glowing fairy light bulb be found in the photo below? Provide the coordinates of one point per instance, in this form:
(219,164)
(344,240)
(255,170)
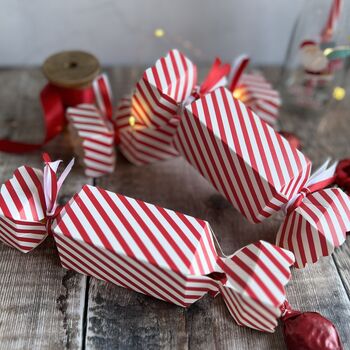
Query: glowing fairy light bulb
(237,93)
(159,33)
(339,93)
(132,121)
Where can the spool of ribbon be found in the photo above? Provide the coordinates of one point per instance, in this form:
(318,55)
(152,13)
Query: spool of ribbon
(73,79)
(149,249)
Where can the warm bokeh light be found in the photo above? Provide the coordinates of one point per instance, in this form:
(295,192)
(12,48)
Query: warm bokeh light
(339,93)
(237,93)
(159,32)
(132,121)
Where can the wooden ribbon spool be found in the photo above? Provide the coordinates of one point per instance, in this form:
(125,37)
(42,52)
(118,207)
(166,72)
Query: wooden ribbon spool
(71,69)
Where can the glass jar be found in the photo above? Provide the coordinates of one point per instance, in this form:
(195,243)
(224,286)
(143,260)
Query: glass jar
(316,62)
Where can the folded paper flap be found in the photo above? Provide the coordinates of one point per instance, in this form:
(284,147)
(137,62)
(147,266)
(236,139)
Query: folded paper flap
(260,271)
(123,113)
(173,75)
(162,88)
(22,197)
(90,122)
(136,229)
(317,226)
(254,290)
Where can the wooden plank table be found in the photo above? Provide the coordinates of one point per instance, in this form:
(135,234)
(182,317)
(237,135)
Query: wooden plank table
(43,306)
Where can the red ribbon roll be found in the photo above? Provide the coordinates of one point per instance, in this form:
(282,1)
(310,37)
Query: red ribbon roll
(54,101)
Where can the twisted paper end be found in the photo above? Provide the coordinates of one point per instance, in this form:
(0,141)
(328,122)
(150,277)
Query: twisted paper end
(28,203)
(317,219)
(254,287)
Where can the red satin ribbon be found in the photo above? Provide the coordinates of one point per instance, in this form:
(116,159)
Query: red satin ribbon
(54,101)
(216,73)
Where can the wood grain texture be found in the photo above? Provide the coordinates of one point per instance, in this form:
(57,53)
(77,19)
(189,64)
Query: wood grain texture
(41,304)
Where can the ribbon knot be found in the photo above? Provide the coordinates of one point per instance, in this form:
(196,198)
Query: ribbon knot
(321,178)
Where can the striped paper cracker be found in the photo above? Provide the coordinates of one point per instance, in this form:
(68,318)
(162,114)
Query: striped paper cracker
(258,94)
(168,255)
(22,210)
(248,162)
(162,87)
(141,144)
(317,226)
(95,139)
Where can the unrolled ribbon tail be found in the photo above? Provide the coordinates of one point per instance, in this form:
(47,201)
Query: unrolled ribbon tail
(53,100)
(54,121)
(216,76)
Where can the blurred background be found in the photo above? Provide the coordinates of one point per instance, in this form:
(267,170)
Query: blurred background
(137,32)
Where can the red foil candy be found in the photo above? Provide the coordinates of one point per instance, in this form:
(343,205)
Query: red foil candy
(292,139)
(309,331)
(342,175)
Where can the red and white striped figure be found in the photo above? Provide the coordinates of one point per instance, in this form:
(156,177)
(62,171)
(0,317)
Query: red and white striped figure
(254,91)
(143,145)
(317,219)
(95,142)
(258,177)
(162,87)
(169,255)
(27,201)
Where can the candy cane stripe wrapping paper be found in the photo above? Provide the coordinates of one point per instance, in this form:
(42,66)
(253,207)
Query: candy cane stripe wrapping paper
(140,246)
(254,90)
(162,87)
(248,162)
(93,132)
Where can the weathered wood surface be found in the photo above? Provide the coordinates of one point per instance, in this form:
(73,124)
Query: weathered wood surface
(44,306)
(41,304)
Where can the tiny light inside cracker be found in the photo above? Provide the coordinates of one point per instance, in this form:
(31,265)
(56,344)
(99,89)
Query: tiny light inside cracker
(159,32)
(339,93)
(132,121)
(237,93)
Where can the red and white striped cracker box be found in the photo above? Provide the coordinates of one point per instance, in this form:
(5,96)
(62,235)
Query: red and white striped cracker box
(244,158)
(142,144)
(169,255)
(316,226)
(162,87)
